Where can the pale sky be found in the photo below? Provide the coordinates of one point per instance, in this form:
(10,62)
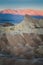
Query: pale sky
(21,4)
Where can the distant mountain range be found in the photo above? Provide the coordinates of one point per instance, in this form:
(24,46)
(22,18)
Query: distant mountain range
(11,18)
(17,16)
(22,12)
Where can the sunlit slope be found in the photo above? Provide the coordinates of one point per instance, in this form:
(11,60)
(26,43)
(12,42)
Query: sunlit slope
(23,12)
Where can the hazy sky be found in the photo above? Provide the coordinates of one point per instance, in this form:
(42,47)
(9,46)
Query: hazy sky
(21,4)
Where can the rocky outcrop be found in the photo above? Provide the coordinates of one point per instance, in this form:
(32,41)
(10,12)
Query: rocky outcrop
(26,47)
(25,51)
(20,43)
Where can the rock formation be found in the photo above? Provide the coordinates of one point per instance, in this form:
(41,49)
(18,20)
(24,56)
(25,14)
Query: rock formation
(22,45)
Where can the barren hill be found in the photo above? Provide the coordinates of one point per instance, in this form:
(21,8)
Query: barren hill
(21,43)
(25,46)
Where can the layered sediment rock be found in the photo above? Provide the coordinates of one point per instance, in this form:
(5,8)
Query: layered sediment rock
(25,46)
